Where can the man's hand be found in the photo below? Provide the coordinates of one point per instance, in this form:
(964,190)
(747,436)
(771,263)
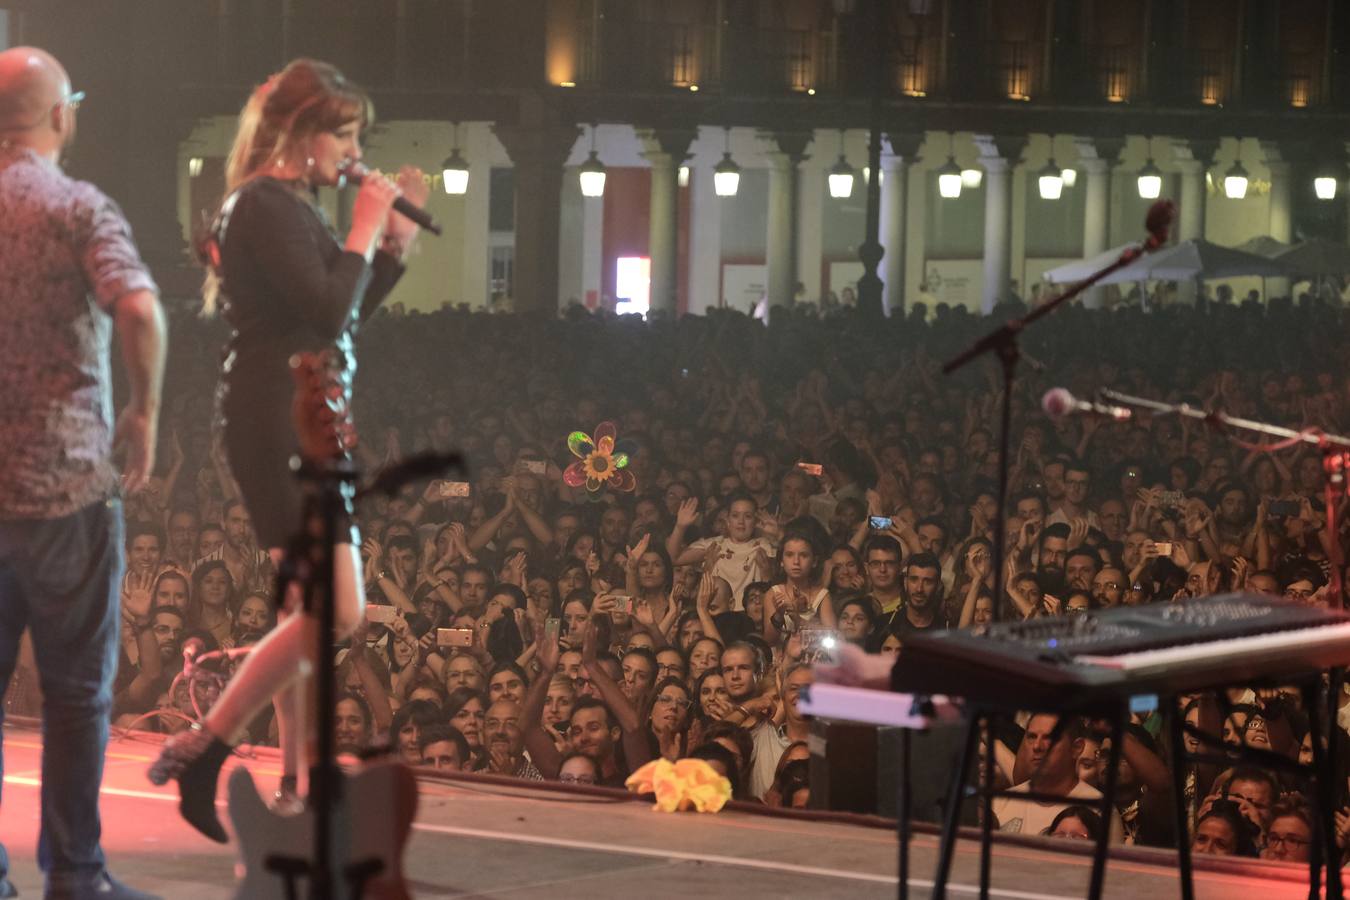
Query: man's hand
(768,525)
(547,654)
(137,597)
(856,669)
(589,642)
(1078,531)
(136,433)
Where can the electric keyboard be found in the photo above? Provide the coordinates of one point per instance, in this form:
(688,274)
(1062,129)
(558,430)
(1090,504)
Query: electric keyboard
(1163,648)
(872,707)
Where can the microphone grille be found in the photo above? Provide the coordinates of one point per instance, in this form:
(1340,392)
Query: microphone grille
(1057,402)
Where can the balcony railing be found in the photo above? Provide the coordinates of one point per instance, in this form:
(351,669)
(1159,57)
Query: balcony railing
(1016,69)
(1210,76)
(1302,84)
(380,44)
(658,54)
(1117,71)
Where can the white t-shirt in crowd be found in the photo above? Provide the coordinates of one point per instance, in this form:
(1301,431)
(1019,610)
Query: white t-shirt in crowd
(769,744)
(1019,816)
(736,562)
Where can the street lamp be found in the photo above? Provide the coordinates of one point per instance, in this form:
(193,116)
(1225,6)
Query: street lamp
(455,173)
(950,176)
(1051,181)
(1150,181)
(727,175)
(949,180)
(592,174)
(1235,182)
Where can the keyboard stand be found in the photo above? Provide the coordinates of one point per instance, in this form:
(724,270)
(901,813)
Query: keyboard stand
(981,718)
(909,713)
(1324,772)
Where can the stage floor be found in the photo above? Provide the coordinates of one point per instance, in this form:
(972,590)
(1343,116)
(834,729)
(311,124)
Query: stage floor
(483,840)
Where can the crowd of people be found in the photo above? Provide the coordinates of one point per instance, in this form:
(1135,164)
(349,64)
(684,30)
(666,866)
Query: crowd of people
(806,477)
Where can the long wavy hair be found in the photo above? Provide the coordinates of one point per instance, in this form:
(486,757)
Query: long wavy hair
(304,99)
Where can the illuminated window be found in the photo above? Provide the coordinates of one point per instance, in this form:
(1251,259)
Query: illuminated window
(632,284)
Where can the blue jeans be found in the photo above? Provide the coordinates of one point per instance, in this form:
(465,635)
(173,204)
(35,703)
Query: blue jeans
(61,578)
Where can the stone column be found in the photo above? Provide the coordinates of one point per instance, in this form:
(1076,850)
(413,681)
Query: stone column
(894,197)
(1096,159)
(998,156)
(787,150)
(592,247)
(538,148)
(1193,158)
(705,241)
(665,149)
(478,147)
(811,228)
(1281,210)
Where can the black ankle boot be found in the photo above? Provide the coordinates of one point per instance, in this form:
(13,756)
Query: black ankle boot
(194,757)
(286,801)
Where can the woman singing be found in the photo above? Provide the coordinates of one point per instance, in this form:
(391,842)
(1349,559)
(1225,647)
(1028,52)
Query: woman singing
(290,286)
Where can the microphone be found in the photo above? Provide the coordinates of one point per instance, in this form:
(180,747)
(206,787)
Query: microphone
(1058,403)
(1158,223)
(193,647)
(356,172)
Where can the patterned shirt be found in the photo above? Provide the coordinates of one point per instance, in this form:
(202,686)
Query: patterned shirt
(66,256)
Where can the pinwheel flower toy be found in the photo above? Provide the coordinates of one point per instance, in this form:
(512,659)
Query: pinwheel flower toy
(602,461)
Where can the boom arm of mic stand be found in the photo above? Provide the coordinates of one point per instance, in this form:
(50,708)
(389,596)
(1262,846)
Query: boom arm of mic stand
(1331,446)
(1008,331)
(1227,421)
(1003,341)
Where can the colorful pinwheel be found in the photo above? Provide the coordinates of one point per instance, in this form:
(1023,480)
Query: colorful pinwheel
(600,462)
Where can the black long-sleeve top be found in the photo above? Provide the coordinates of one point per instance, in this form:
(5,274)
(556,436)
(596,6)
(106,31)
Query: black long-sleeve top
(290,287)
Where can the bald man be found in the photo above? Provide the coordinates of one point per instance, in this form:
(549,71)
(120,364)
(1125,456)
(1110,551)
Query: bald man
(71,275)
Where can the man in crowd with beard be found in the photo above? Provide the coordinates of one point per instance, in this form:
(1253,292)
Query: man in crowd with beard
(1052,556)
(505,742)
(138,687)
(1233,513)
(594,732)
(922,589)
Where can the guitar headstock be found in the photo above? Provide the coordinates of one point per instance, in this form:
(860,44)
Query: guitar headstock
(320,410)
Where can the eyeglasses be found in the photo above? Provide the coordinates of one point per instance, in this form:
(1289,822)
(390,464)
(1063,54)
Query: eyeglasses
(677,702)
(1108,585)
(1288,840)
(73,100)
(566,778)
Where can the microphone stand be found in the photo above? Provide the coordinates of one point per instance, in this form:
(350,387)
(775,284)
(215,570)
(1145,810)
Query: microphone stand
(1002,342)
(1335,450)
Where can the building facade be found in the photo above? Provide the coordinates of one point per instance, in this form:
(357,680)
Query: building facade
(662,93)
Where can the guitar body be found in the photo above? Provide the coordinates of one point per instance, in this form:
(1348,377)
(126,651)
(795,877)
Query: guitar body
(371,821)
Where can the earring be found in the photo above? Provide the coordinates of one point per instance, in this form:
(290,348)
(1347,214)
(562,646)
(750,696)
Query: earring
(309,164)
